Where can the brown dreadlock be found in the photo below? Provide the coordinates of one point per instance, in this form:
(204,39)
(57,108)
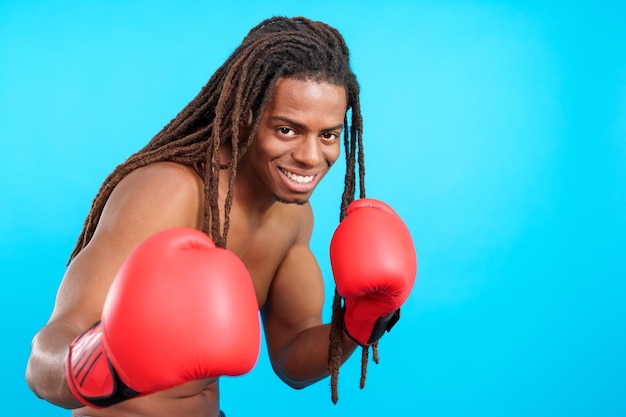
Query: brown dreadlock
(276,48)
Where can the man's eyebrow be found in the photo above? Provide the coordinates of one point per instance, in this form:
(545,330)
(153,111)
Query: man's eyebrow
(301,126)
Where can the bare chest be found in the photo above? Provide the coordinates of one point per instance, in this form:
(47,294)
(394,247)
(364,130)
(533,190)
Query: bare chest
(262,254)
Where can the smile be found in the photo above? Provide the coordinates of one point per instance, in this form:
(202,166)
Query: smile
(300,179)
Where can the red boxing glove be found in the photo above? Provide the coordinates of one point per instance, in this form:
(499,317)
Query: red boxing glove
(374,264)
(179,310)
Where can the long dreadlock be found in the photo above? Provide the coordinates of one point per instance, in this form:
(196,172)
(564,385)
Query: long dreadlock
(276,48)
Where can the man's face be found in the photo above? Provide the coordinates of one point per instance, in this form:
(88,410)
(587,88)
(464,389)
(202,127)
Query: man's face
(298,138)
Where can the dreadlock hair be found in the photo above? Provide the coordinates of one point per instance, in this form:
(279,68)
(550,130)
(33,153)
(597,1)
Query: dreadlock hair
(276,48)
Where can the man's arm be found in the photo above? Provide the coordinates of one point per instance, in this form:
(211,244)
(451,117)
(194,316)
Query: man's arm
(297,340)
(148,200)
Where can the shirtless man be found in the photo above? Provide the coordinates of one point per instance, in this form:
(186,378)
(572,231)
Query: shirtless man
(238,163)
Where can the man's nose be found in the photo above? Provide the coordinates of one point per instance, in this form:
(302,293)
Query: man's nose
(308,152)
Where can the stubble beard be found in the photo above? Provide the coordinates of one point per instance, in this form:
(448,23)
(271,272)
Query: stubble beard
(296,202)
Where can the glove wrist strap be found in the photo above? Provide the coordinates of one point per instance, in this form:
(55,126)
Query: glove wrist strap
(90,375)
(367,332)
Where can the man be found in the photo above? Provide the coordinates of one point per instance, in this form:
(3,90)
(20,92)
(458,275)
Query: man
(239,163)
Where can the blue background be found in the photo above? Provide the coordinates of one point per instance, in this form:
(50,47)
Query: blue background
(497,129)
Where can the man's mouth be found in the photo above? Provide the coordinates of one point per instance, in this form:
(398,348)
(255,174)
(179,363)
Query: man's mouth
(300,179)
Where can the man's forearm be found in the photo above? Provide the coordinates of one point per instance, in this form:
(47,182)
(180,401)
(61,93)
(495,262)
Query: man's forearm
(305,359)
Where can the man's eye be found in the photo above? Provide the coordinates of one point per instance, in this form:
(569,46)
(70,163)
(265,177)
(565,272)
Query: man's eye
(285,130)
(330,135)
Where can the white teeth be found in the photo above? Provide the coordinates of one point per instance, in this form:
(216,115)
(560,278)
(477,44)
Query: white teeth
(298,178)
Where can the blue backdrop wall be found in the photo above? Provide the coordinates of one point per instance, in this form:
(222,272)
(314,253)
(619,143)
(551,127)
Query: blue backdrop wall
(497,129)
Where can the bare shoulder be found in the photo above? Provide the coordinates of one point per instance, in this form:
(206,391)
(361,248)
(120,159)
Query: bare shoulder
(147,200)
(164,190)
(167,176)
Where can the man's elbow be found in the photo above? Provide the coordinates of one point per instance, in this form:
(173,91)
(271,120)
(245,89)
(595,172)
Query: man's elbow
(294,381)
(45,380)
(31,380)
(51,392)
(296,384)
(36,383)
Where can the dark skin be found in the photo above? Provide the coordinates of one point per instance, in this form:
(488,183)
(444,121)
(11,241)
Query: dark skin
(297,142)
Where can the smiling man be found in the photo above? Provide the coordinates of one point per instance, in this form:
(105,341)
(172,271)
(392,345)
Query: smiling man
(298,139)
(209,223)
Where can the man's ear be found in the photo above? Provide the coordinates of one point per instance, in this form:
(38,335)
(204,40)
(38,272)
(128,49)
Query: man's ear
(247,122)
(246,125)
